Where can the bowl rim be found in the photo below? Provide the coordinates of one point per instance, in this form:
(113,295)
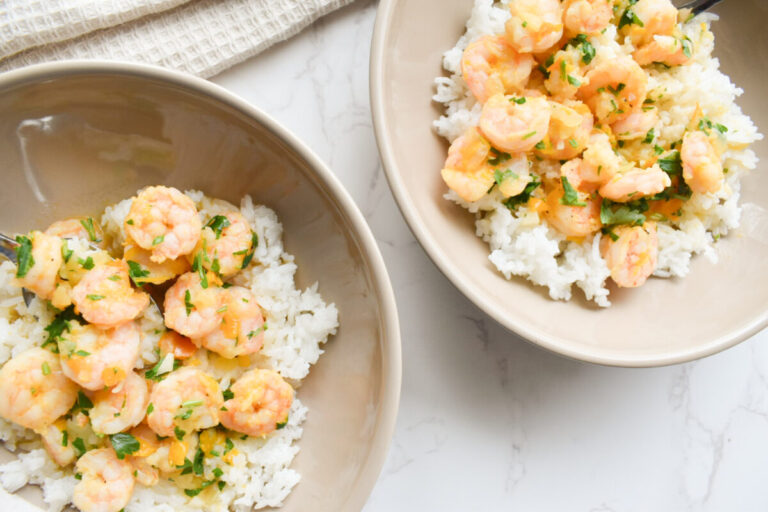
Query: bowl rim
(391,378)
(454,274)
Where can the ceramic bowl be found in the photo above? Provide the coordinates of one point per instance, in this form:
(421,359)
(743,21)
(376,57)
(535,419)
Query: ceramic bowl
(667,320)
(103,130)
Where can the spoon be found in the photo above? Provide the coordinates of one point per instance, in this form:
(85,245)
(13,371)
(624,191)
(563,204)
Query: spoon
(8,249)
(699,6)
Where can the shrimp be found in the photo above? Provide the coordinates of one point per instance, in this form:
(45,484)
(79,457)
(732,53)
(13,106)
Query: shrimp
(565,74)
(535,25)
(174,343)
(491,66)
(515,175)
(84,228)
(572,169)
(665,49)
(570,126)
(144,472)
(467,171)
(191,309)
(45,258)
(573,221)
(587,16)
(153,273)
(105,297)
(614,89)
(261,402)
(35,391)
(165,222)
(635,183)
(657,17)
(188,399)
(95,358)
(513,124)
(225,242)
(120,408)
(635,125)
(632,256)
(599,162)
(242,327)
(702,169)
(106,484)
(56,444)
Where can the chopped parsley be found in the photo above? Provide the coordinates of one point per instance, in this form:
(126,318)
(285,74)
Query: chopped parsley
(197,266)
(162,367)
(523,197)
(570,196)
(150,408)
(215,266)
(498,157)
(574,81)
(94,297)
(45,368)
(587,50)
(88,225)
(228,394)
(228,446)
(114,277)
(529,135)
(628,213)
(251,251)
(136,272)
(499,176)
(179,433)
(86,263)
(24,259)
(672,164)
(630,18)
(188,302)
(649,136)
(64,438)
(519,101)
(83,402)
(79,446)
(256,332)
(66,252)
(124,444)
(283,424)
(82,353)
(197,463)
(540,145)
(573,143)
(687,47)
(158,240)
(217,225)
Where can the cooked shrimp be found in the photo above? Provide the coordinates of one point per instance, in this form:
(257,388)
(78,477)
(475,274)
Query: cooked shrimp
(702,169)
(587,16)
(636,125)
(614,89)
(599,162)
(164,221)
(535,25)
(120,408)
(665,49)
(39,276)
(225,241)
(56,444)
(573,170)
(570,126)
(657,17)
(95,358)
(514,126)
(491,66)
(261,402)
(573,221)
(35,391)
(188,399)
(565,74)
(85,228)
(632,257)
(635,183)
(106,484)
(152,272)
(191,309)
(144,472)
(242,327)
(174,343)
(467,171)
(105,297)
(515,175)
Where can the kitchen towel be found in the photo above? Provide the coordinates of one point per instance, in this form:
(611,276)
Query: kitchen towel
(202,37)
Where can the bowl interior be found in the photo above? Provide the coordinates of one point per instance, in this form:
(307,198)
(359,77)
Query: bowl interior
(74,140)
(667,320)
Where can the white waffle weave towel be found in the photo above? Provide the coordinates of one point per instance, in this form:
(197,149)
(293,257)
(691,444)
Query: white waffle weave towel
(202,37)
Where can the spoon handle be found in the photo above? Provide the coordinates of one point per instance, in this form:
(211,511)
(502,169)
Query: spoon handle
(699,6)
(8,247)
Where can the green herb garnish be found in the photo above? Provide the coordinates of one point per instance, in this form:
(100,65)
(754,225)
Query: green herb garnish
(24,259)
(88,225)
(570,196)
(124,444)
(217,225)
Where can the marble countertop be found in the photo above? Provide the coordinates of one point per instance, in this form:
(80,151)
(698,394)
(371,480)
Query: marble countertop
(487,421)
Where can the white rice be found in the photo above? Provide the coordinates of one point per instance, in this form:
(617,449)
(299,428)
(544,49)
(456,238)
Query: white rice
(521,245)
(299,322)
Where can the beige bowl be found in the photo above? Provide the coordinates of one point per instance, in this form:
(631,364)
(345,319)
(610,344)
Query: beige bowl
(104,129)
(668,320)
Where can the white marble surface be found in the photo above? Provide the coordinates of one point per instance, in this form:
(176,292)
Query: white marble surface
(488,422)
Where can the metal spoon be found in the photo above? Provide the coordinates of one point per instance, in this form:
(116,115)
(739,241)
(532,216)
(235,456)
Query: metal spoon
(699,6)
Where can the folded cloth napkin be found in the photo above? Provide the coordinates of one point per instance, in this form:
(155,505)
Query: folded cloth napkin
(202,37)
